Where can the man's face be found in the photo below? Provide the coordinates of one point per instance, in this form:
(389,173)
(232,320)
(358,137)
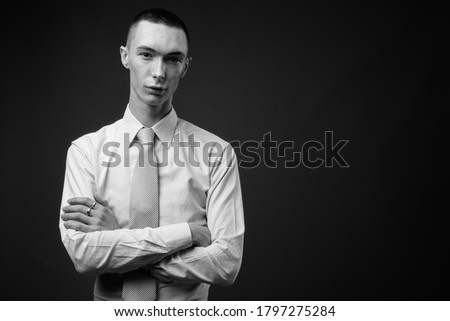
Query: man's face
(157,58)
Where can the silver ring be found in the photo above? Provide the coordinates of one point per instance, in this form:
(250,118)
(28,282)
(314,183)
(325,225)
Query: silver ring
(88,212)
(93,205)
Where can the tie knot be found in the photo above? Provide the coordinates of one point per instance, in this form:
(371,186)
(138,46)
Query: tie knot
(146,135)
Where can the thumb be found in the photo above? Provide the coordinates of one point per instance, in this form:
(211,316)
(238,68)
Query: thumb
(100,199)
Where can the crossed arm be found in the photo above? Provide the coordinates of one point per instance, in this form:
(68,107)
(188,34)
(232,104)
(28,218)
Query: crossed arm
(86,215)
(185,252)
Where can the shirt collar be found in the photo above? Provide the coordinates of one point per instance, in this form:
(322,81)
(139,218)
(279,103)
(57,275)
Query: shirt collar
(164,129)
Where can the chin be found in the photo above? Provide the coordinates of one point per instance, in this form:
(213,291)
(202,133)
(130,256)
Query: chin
(155,101)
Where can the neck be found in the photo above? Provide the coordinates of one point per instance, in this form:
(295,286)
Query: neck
(149,115)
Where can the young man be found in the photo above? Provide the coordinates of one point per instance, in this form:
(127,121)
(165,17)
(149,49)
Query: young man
(152,204)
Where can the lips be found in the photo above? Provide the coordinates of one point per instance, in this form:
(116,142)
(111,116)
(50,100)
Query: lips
(156,90)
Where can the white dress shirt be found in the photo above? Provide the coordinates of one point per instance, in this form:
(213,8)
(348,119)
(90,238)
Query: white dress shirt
(103,162)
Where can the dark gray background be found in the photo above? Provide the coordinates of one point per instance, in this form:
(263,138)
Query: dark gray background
(374,74)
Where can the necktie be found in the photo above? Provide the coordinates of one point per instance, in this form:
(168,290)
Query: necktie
(139,285)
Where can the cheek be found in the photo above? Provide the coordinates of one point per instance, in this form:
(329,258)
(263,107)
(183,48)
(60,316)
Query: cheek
(175,79)
(137,73)
(133,77)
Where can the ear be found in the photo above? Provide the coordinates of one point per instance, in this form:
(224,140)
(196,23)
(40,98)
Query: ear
(186,66)
(124,56)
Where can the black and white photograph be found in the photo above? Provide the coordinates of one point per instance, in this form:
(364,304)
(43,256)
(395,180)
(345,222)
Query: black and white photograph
(225,151)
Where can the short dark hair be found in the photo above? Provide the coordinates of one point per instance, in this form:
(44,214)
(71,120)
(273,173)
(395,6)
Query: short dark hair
(158,15)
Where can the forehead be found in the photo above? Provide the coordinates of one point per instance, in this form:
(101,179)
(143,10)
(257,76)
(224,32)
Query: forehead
(159,37)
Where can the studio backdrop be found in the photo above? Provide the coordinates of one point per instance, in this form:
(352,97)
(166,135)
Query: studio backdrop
(335,111)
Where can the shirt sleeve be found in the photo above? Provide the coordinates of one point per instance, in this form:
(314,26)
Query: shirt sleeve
(117,251)
(220,262)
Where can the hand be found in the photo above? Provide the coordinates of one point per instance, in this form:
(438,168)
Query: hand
(200,235)
(100,218)
(158,273)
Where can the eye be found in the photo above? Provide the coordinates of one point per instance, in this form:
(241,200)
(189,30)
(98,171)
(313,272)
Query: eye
(174,60)
(145,55)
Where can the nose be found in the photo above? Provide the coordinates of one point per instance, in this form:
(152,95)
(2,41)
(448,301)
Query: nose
(158,71)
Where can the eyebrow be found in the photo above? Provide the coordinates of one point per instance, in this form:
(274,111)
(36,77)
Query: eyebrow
(178,53)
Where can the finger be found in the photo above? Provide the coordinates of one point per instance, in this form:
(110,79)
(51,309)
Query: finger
(77,226)
(86,201)
(79,217)
(75,209)
(94,213)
